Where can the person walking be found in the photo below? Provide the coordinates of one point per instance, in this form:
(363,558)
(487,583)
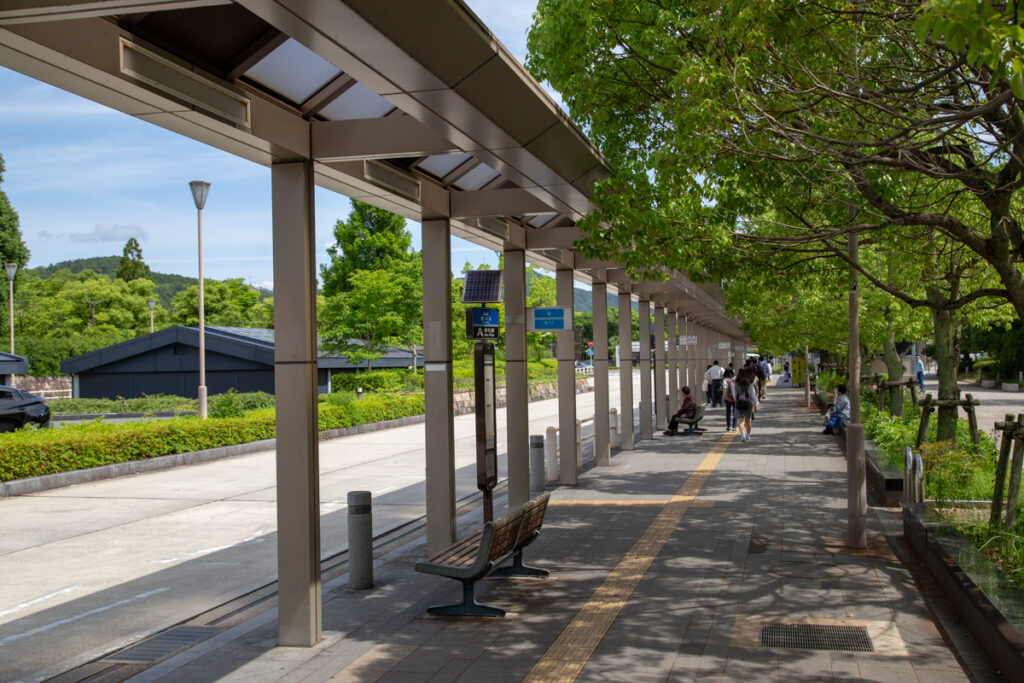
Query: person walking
(730,402)
(919,370)
(744,392)
(714,377)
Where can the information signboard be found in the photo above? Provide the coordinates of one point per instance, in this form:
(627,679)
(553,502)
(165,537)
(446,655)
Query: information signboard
(688,340)
(549,319)
(482,323)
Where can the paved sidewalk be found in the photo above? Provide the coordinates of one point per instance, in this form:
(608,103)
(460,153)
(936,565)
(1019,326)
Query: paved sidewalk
(665,566)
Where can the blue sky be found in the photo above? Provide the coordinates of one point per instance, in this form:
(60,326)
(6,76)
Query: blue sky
(84,178)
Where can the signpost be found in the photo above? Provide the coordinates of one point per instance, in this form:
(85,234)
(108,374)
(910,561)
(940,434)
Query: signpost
(486,430)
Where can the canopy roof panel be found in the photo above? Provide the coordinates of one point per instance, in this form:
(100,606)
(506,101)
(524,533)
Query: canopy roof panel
(399,103)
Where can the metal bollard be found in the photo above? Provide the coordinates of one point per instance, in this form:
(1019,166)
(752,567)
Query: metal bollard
(613,429)
(908,472)
(360,540)
(551,454)
(538,477)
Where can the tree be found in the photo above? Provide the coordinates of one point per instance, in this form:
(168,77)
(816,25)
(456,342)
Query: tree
(756,127)
(839,119)
(229,303)
(381,309)
(132,266)
(369,239)
(12,246)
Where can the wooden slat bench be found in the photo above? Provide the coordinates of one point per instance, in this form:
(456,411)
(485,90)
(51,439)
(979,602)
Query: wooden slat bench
(482,554)
(693,423)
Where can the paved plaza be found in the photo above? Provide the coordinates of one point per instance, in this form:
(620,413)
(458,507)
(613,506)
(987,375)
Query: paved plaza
(668,565)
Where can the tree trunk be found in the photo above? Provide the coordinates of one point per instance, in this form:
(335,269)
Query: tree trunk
(894,367)
(946,355)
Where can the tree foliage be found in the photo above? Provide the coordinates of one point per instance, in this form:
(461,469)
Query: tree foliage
(369,239)
(132,266)
(762,124)
(12,246)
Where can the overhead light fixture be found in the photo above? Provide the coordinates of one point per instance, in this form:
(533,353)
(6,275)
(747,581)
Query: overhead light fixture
(184,84)
(390,179)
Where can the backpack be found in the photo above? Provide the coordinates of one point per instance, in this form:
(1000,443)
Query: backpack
(759,371)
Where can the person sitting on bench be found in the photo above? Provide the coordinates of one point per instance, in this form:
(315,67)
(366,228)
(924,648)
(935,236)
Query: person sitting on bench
(840,414)
(686,411)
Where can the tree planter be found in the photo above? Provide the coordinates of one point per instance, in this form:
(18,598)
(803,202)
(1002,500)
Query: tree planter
(990,604)
(886,481)
(1011,386)
(988,383)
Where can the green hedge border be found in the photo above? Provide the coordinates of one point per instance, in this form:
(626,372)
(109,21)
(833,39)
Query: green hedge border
(35,453)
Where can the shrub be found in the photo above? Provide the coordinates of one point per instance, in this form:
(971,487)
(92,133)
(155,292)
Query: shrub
(949,469)
(145,404)
(378,381)
(234,404)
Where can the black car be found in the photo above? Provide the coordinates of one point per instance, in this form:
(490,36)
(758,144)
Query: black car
(18,408)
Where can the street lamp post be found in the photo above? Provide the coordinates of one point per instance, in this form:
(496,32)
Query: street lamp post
(152,304)
(201,188)
(12,269)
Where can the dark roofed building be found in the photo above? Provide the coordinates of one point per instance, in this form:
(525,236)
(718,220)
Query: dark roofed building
(11,365)
(167,362)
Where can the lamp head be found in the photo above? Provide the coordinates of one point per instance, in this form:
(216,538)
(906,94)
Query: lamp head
(200,188)
(11,269)
(151,303)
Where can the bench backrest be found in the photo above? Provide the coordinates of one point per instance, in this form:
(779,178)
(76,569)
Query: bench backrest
(533,516)
(699,415)
(505,535)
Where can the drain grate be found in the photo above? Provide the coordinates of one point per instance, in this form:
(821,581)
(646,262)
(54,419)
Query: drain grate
(164,644)
(816,637)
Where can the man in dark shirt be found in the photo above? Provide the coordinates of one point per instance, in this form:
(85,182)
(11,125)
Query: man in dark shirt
(686,411)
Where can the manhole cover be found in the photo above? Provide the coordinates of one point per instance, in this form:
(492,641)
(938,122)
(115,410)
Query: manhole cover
(164,644)
(816,637)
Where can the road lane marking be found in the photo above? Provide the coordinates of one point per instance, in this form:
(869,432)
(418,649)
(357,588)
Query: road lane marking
(565,658)
(42,598)
(77,617)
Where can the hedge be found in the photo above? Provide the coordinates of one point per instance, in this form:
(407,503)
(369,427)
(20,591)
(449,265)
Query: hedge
(30,453)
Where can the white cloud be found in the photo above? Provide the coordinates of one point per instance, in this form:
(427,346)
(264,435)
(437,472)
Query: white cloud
(110,233)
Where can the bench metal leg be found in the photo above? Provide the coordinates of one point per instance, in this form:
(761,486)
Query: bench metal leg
(518,568)
(469,607)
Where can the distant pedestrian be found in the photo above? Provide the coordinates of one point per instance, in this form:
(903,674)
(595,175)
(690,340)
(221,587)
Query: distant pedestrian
(744,392)
(919,369)
(714,376)
(730,402)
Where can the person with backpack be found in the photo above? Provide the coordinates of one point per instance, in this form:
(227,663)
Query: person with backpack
(744,392)
(730,402)
(762,371)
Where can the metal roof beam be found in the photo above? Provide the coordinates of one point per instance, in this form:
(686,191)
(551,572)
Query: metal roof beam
(505,202)
(389,137)
(31,11)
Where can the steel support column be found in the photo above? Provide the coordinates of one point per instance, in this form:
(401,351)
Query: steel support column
(437,383)
(646,423)
(567,469)
(517,394)
(295,357)
(673,361)
(626,370)
(660,399)
(602,449)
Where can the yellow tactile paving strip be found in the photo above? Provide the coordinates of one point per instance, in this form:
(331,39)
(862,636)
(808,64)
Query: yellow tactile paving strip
(625,502)
(571,651)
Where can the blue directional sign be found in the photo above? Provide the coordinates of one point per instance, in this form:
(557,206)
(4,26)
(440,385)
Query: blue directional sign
(485,317)
(482,323)
(549,319)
